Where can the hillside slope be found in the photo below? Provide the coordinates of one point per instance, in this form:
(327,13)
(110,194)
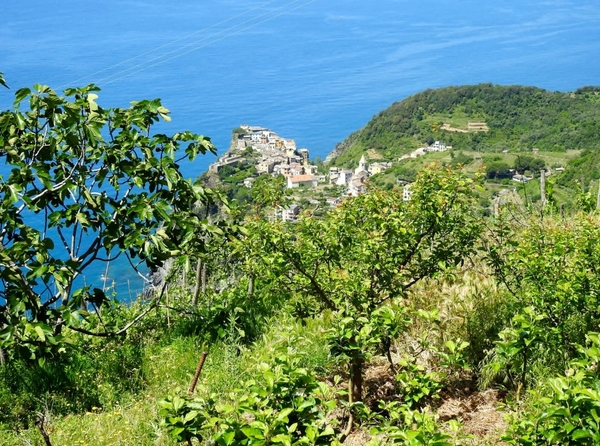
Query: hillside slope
(484,118)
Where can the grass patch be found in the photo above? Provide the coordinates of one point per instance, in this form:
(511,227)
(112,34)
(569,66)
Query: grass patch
(168,369)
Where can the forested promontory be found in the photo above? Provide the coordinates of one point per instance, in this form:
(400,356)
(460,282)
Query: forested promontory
(517,118)
(508,132)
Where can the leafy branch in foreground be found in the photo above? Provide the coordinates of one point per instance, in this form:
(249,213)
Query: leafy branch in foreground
(86,185)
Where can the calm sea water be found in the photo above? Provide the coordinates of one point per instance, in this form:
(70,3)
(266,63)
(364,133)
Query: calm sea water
(311,70)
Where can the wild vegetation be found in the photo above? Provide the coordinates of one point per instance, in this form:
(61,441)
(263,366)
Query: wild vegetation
(385,321)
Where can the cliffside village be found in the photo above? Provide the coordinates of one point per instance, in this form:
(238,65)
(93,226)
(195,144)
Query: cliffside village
(280,156)
(274,155)
(277,156)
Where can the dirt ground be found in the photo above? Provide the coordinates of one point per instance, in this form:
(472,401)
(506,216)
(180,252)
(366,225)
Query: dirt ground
(478,411)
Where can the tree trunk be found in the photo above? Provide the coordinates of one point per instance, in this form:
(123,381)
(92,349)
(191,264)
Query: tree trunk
(250,286)
(356,368)
(198,288)
(40,423)
(387,347)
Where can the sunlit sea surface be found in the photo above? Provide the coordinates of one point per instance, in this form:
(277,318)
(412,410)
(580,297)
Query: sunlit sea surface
(310,70)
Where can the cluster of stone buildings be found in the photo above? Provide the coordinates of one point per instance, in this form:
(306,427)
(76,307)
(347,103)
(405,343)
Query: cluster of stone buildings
(276,156)
(280,156)
(355,179)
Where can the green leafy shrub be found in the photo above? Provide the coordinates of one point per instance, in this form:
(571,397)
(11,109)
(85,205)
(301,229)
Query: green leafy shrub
(551,266)
(287,406)
(93,375)
(416,385)
(516,349)
(399,424)
(453,358)
(570,414)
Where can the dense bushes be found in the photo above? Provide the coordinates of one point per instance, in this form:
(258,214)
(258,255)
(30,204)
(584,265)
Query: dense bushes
(551,266)
(89,375)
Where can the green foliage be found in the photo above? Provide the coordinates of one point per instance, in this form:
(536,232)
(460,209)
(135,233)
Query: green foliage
(239,132)
(585,201)
(497,170)
(94,375)
(584,167)
(487,318)
(227,315)
(269,192)
(569,411)
(287,406)
(513,351)
(399,424)
(105,187)
(453,358)
(416,385)
(357,337)
(460,159)
(232,176)
(550,265)
(527,163)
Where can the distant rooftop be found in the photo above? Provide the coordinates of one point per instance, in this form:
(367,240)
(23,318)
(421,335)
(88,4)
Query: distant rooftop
(301,178)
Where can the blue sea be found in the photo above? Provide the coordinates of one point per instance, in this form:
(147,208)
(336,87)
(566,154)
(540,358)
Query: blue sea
(310,70)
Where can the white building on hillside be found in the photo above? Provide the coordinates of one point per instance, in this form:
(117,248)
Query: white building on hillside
(407,192)
(344,177)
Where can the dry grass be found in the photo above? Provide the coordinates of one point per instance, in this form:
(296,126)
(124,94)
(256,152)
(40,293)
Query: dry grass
(478,411)
(379,382)
(357,438)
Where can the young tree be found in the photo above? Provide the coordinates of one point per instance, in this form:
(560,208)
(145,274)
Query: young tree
(86,184)
(363,256)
